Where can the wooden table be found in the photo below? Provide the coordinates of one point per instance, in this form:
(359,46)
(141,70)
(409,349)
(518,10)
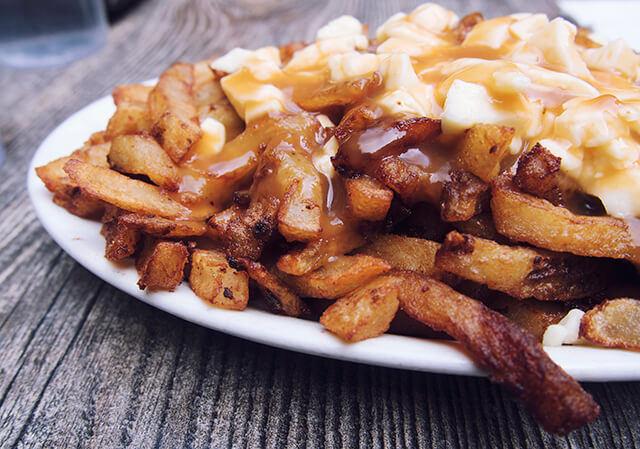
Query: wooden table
(82,364)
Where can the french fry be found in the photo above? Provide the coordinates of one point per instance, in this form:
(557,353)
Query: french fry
(141,155)
(512,356)
(173,111)
(299,185)
(340,94)
(215,281)
(367,198)
(247,233)
(278,296)
(163,227)
(466,24)
(526,218)
(315,254)
(364,313)
(129,118)
(300,213)
(136,93)
(337,277)
(120,241)
(66,193)
(132,112)
(483,148)
(519,271)
(411,182)
(614,323)
(128,194)
(463,196)
(161,264)
(406,253)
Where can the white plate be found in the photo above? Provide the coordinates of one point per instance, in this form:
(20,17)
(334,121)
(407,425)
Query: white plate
(81,239)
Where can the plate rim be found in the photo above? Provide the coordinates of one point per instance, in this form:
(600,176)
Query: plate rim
(394,351)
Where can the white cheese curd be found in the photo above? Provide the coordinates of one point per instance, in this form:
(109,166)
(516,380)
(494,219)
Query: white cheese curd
(566,332)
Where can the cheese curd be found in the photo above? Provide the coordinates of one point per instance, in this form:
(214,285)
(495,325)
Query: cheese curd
(524,71)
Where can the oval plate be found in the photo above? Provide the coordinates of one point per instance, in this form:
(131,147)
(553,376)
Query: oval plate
(81,239)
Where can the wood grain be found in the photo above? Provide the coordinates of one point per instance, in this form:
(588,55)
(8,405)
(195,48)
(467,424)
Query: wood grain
(82,364)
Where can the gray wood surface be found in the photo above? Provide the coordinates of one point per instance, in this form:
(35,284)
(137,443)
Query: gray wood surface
(82,364)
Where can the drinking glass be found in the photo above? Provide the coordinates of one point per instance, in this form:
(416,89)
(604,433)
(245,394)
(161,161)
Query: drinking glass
(50,33)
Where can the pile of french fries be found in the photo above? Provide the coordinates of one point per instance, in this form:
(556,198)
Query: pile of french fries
(490,257)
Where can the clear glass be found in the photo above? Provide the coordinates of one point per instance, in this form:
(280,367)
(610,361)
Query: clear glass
(50,33)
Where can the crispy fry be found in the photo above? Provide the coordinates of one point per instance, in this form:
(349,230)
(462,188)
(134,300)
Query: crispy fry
(132,112)
(141,155)
(66,193)
(247,233)
(128,194)
(411,182)
(129,118)
(613,323)
(466,24)
(525,218)
(173,111)
(337,277)
(176,134)
(315,254)
(278,296)
(388,137)
(137,93)
(163,227)
(341,94)
(300,213)
(365,312)
(519,271)
(406,253)
(483,148)
(161,264)
(215,281)
(512,356)
(120,240)
(463,196)
(367,198)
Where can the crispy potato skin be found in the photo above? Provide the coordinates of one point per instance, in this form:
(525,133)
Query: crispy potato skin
(66,193)
(161,264)
(406,253)
(120,240)
(337,277)
(463,196)
(316,253)
(364,313)
(121,191)
(483,148)
(141,155)
(525,218)
(215,281)
(512,356)
(367,198)
(519,271)
(614,323)
(341,94)
(278,296)
(173,111)
(163,227)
